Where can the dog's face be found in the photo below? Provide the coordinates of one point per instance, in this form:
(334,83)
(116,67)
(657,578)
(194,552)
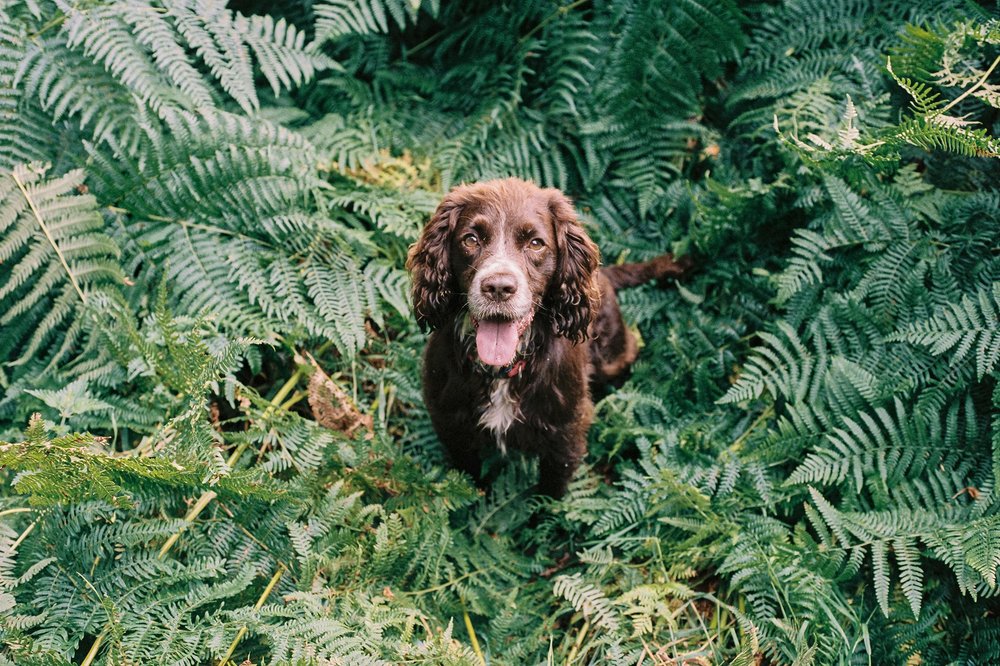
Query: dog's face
(503,254)
(507,250)
(503,257)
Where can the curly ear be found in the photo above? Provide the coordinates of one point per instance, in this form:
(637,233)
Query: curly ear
(574,296)
(429,264)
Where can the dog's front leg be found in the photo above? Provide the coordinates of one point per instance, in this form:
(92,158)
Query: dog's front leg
(464,455)
(558,463)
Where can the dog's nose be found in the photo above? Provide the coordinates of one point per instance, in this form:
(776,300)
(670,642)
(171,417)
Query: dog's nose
(499,287)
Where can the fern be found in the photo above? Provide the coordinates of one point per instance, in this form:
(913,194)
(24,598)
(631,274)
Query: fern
(588,600)
(56,258)
(971,324)
(784,367)
(142,48)
(26,132)
(338,18)
(801,468)
(221,243)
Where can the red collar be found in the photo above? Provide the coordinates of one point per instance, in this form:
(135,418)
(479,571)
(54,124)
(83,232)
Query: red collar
(508,371)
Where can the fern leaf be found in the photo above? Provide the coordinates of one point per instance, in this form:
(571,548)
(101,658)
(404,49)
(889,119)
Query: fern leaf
(980,542)
(782,366)
(588,600)
(809,249)
(831,516)
(885,445)
(911,575)
(281,52)
(25,132)
(55,257)
(336,18)
(973,324)
(341,298)
(880,575)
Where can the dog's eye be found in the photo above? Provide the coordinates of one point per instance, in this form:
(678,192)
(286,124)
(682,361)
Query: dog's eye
(470,240)
(536,244)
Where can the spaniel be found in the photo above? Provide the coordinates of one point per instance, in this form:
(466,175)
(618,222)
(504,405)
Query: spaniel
(523,320)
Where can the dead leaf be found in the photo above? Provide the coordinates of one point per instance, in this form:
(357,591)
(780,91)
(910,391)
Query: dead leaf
(332,407)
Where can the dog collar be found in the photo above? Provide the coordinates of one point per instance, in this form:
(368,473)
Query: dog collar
(508,371)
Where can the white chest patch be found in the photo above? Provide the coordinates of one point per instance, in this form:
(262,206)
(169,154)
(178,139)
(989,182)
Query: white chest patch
(501,413)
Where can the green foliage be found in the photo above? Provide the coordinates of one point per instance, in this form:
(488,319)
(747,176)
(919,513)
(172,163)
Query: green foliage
(204,216)
(55,255)
(974,323)
(75,467)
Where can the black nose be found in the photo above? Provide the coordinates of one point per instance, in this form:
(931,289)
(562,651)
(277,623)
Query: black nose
(499,287)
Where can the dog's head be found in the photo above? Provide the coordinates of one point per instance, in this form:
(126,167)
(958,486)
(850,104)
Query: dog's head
(511,253)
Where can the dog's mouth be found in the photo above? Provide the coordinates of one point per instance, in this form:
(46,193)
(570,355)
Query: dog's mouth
(497,339)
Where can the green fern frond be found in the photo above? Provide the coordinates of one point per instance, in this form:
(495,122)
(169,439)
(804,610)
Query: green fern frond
(926,100)
(880,575)
(66,84)
(588,599)
(809,250)
(337,18)
(25,132)
(206,200)
(893,278)
(55,259)
(782,366)
(393,285)
(887,446)
(343,297)
(973,324)
(347,142)
(102,35)
(911,576)
(934,135)
(281,52)
(52,471)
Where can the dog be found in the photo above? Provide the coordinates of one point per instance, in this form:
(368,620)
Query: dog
(523,320)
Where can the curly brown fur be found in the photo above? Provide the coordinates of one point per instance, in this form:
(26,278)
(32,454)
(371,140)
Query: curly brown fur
(504,263)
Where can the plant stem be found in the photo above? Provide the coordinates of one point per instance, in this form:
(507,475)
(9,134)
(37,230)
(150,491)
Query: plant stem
(20,509)
(23,536)
(579,641)
(968,92)
(269,412)
(472,635)
(92,652)
(48,234)
(192,514)
(738,443)
(260,602)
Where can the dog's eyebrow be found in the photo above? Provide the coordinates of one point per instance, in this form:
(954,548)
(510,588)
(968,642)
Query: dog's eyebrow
(477,221)
(485,227)
(525,230)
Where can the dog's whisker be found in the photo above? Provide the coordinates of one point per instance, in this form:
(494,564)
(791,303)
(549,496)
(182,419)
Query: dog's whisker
(539,306)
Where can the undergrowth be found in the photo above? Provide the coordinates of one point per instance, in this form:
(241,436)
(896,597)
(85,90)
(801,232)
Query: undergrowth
(212,438)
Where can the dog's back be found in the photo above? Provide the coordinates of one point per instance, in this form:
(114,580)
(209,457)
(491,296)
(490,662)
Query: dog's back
(613,346)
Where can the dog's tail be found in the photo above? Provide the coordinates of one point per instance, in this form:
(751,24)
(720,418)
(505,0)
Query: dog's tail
(631,275)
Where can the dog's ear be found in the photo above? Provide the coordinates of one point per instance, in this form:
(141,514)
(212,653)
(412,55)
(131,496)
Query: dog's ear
(574,296)
(429,263)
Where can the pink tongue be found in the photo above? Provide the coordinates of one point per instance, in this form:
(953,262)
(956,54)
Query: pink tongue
(496,342)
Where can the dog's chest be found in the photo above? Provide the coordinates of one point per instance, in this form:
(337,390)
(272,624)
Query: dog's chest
(501,411)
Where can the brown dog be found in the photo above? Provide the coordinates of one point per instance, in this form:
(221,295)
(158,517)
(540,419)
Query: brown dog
(523,319)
